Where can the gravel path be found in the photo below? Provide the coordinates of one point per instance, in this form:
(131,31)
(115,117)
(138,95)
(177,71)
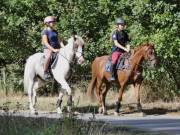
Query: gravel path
(167,123)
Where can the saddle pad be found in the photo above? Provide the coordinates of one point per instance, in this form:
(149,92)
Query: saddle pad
(123,62)
(108,66)
(53,61)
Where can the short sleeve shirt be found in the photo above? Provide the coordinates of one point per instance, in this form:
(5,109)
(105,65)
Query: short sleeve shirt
(122,38)
(52,36)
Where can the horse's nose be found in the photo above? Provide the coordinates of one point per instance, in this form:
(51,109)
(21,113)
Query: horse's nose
(80,60)
(154,63)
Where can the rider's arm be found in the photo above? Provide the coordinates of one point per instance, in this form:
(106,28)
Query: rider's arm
(46,43)
(61,44)
(122,47)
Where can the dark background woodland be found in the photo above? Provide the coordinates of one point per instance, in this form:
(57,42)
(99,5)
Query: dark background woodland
(155,21)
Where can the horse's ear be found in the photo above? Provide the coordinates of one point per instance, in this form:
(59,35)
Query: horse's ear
(81,40)
(132,51)
(147,47)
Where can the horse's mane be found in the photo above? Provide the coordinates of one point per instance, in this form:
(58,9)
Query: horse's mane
(143,45)
(79,39)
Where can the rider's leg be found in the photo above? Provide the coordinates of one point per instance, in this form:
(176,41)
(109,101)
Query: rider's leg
(47,54)
(112,72)
(115,56)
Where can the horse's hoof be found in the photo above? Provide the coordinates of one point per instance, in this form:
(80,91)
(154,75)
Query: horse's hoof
(116,114)
(138,109)
(77,113)
(100,110)
(105,113)
(59,111)
(34,112)
(69,109)
(143,114)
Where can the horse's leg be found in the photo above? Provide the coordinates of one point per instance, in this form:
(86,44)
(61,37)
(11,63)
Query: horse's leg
(104,98)
(66,87)
(59,101)
(137,89)
(99,94)
(34,96)
(118,102)
(30,94)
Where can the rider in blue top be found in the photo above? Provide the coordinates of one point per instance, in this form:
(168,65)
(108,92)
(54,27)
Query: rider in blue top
(52,36)
(51,42)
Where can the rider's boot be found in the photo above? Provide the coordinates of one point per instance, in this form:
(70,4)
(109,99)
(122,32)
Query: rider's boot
(112,78)
(47,75)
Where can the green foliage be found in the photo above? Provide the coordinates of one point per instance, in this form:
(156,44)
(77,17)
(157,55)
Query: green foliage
(148,20)
(11,78)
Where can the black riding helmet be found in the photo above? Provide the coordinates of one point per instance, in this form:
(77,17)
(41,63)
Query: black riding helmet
(120,21)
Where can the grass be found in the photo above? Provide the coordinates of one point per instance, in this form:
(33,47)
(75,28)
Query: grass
(66,126)
(81,102)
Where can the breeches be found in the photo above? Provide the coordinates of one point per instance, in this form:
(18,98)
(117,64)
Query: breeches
(115,56)
(47,54)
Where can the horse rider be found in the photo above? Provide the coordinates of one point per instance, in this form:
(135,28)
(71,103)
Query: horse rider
(120,44)
(51,42)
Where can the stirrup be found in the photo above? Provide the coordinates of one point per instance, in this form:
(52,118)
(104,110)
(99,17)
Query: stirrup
(47,76)
(111,78)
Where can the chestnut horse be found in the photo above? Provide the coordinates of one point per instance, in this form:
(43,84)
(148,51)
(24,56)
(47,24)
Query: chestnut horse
(130,75)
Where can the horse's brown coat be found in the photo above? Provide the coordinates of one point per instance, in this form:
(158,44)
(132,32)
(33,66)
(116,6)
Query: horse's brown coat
(123,77)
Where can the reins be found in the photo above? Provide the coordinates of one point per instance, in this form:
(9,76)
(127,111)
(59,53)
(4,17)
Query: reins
(140,65)
(73,56)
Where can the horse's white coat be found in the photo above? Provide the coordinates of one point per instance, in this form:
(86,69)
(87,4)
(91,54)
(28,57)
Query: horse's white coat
(34,67)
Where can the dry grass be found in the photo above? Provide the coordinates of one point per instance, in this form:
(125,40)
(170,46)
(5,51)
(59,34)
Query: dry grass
(45,103)
(17,101)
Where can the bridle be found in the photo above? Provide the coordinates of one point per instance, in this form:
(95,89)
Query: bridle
(150,59)
(75,49)
(74,55)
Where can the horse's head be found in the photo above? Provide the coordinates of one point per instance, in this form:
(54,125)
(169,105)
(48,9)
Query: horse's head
(78,44)
(150,55)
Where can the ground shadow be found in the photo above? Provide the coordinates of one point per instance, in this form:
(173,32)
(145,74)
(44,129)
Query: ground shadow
(127,109)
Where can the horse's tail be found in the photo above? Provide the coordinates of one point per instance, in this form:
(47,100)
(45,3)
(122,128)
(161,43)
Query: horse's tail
(27,75)
(91,87)
(26,72)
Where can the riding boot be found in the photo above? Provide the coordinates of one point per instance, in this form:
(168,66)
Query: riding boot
(69,103)
(111,78)
(47,75)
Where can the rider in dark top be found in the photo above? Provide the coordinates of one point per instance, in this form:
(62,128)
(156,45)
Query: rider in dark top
(120,40)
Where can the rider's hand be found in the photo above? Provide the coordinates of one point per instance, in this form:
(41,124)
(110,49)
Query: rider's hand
(128,49)
(56,50)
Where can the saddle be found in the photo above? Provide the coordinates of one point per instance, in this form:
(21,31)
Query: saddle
(53,61)
(122,63)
